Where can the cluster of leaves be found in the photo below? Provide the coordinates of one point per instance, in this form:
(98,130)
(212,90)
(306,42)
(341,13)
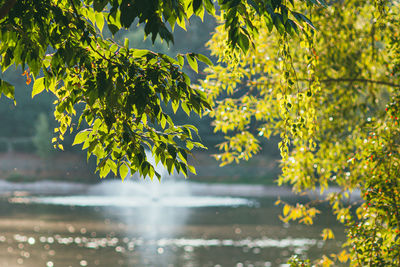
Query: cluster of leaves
(297,261)
(122,91)
(324,92)
(374,233)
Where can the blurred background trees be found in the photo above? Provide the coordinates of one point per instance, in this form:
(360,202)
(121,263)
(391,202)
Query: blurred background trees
(42,137)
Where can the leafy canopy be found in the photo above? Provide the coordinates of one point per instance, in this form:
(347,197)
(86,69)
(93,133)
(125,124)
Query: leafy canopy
(119,92)
(332,94)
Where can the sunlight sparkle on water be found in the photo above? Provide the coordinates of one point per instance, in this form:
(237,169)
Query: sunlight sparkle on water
(186,243)
(127,201)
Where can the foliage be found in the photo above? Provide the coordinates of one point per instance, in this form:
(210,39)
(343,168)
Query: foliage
(20,119)
(332,95)
(121,88)
(42,137)
(296,261)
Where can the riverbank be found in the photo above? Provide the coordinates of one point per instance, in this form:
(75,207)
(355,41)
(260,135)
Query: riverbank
(194,188)
(110,187)
(73,167)
(28,167)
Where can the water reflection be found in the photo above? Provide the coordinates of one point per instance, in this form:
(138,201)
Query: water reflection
(133,224)
(130,246)
(156,210)
(50,235)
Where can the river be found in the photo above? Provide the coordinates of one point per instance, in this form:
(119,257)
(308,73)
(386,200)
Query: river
(139,224)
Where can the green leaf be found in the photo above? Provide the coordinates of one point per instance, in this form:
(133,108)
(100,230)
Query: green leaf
(99,5)
(81,137)
(189,145)
(243,42)
(192,169)
(38,86)
(170,165)
(126,43)
(183,169)
(183,155)
(140,52)
(113,29)
(302,18)
(209,6)
(192,62)
(123,171)
(185,108)
(104,171)
(254,5)
(181,60)
(175,106)
(172,151)
(163,121)
(6,89)
(90,15)
(100,21)
(203,59)
(196,5)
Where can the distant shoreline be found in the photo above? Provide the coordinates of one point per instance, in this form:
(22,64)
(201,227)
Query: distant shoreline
(193,188)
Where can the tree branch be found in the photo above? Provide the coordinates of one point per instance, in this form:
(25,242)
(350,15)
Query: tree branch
(338,80)
(6,8)
(358,80)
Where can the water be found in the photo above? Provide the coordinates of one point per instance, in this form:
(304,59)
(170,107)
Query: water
(139,224)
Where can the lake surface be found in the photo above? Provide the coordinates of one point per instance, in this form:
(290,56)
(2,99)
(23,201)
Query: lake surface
(132,224)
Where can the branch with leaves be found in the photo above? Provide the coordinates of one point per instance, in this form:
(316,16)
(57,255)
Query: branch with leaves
(123,90)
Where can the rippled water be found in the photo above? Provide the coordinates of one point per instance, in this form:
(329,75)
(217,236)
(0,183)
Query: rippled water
(108,226)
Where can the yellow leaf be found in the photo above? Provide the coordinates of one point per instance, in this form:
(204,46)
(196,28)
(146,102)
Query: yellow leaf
(38,86)
(327,234)
(343,256)
(286,210)
(325,261)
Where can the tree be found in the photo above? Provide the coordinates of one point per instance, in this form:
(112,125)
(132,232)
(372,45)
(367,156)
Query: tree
(60,45)
(332,94)
(42,137)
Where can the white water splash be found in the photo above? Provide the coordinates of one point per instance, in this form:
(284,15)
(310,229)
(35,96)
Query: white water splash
(137,201)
